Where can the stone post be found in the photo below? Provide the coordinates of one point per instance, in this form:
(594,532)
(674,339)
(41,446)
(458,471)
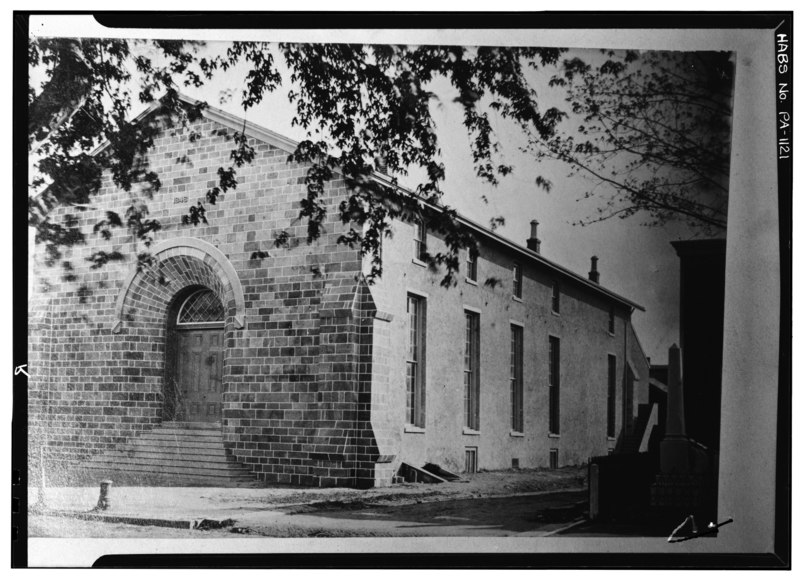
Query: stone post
(105,495)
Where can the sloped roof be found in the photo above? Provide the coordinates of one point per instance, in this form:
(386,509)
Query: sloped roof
(287,144)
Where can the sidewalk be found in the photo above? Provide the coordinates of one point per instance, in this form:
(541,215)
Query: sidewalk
(185,507)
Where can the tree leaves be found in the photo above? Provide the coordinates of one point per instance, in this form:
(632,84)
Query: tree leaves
(100,258)
(655,131)
(85,100)
(196,215)
(369,104)
(650,126)
(374,104)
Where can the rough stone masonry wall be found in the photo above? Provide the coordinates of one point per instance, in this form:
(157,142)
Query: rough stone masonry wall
(380,382)
(291,385)
(39,352)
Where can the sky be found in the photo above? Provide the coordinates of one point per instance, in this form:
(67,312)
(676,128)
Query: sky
(635,261)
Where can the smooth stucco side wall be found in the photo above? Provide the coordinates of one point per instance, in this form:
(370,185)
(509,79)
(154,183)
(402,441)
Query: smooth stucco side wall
(581,326)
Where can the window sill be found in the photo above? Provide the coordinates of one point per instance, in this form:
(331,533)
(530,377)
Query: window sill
(413,429)
(468,431)
(612,334)
(516,298)
(516,434)
(554,435)
(611,439)
(470,281)
(555,313)
(418,262)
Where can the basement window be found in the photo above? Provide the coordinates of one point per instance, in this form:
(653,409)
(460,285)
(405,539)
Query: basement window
(471,461)
(554,458)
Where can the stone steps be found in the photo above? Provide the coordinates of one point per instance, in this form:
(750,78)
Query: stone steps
(195,455)
(208,464)
(179,444)
(194,433)
(154,478)
(172,455)
(158,469)
(188,435)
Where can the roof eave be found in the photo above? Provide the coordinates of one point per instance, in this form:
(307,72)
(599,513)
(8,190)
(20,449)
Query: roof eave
(287,144)
(532,255)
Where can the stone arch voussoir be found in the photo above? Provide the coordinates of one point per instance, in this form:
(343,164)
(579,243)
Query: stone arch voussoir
(184,262)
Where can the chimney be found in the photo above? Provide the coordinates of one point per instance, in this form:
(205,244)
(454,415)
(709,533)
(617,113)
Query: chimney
(594,276)
(533,242)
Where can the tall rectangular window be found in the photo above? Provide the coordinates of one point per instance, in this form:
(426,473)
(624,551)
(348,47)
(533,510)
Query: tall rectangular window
(472,265)
(556,297)
(471,371)
(420,239)
(415,361)
(611,409)
(516,379)
(611,319)
(555,385)
(517,283)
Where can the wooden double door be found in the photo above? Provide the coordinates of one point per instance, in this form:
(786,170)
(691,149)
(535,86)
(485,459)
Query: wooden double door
(199,373)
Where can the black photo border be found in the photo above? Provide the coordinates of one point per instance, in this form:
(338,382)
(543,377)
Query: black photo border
(778,22)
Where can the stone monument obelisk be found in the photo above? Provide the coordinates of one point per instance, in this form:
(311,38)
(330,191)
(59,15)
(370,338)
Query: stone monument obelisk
(675,446)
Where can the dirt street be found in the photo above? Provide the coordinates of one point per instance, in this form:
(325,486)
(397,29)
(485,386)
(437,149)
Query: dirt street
(511,503)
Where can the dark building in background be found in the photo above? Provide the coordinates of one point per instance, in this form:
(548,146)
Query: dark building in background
(702,309)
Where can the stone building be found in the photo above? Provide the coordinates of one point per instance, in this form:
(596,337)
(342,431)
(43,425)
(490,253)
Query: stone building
(310,375)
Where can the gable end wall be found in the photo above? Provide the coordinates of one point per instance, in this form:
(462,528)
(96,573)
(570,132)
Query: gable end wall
(291,360)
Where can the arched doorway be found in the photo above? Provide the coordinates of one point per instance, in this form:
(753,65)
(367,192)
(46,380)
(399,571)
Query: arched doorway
(194,350)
